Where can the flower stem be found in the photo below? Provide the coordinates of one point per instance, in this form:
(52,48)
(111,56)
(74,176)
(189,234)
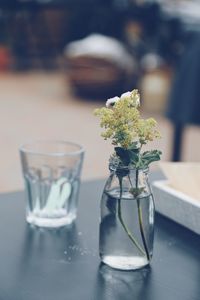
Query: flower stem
(122,221)
(141,220)
(142,229)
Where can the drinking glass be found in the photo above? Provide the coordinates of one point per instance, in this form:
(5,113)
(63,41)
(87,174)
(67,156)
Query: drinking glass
(51,171)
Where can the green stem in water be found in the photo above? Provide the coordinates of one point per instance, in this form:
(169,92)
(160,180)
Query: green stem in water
(122,221)
(142,229)
(141,220)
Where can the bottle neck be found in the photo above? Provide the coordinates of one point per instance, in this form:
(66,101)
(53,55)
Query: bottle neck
(132,180)
(128,170)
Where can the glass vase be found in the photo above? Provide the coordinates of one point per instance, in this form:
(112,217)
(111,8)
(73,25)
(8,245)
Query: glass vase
(127,219)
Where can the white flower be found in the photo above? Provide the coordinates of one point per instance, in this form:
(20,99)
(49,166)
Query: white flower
(137,100)
(110,102)
(125,95)
(134,95)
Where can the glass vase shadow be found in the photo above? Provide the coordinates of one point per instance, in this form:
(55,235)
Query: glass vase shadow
(51,171)
(127,219)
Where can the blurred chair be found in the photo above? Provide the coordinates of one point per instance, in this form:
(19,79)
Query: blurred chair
(99,66)
(184,102)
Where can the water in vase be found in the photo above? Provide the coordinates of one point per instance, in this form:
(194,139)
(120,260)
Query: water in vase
(122,245)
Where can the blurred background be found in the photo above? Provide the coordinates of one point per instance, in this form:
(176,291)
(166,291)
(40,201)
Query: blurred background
(60,59)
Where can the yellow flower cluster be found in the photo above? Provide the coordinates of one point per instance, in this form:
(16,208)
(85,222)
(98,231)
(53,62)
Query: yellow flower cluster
(123,124)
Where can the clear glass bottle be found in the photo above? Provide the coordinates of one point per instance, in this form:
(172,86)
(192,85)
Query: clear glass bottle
(127,219)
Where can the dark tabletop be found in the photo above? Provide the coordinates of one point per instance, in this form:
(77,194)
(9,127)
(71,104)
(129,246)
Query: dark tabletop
(43,264)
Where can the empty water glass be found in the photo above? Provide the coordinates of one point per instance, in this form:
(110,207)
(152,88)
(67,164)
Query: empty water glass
(51,170)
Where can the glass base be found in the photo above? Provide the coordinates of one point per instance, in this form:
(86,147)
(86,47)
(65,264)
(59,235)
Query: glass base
(125,262)
(50,222)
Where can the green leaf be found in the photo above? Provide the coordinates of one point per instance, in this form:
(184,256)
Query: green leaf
(128,156)
(134,146)
(134,156)
(134,153)
(150,156)
(136,191)
(123,155)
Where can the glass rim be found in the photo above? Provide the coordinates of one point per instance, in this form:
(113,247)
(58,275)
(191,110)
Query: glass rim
(23,148)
